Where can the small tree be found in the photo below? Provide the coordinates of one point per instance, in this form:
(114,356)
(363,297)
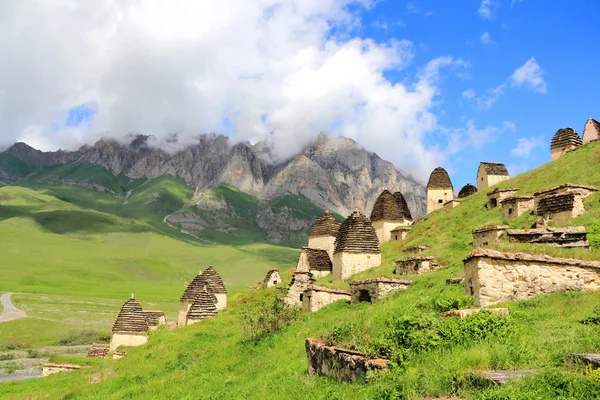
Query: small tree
(270,316)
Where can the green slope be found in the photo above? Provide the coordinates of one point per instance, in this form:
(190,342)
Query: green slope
(432,356)
(14,166)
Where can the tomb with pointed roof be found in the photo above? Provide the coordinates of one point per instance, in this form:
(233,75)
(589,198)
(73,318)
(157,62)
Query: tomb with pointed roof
(564,140)
(272,278)
(467,191)
(130,327)
(387,215)
(203,307)
(591,131)
(439,189)
(323,233)
(356,247)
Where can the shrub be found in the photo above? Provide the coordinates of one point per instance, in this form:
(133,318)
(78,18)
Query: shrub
(11,367)
(270,316)
(594,319)
(7,356)
(84,336)
(340,333)
(15,346)
(451,302)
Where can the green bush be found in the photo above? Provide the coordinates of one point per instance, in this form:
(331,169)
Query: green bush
(7,356)
(11,367)
(447,302)
(269,317)
(84,336)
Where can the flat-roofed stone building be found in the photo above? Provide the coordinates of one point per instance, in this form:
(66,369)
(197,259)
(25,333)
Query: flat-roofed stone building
(130,327)
(400,233)
(466,191)
(416,265)
(515,206)
(493,276)
(497,195)
(449,205)
(591,131)
(155,319)
(560,207)
(371,290)
(564,140)
(323,234)
(272,278)
(439,189)
(386,215)
(569,237)
(317,297)
(203,307)
(488,235)
(580,190)
(490,174)
(356,247)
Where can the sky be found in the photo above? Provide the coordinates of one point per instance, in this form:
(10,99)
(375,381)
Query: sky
(421,83)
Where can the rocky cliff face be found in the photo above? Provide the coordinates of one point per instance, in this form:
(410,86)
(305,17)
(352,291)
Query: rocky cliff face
(334,173)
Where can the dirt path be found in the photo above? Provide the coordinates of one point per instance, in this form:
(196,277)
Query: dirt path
(10,312)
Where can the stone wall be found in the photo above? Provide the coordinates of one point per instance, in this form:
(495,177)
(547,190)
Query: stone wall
(53,367)
(383,229)
(437,197)
(317,297)
(493,276)
(127,339)
(400,233)
(415,265)
(488,235)
(323,243)
(184,307)
(341,364)
(591,133)
(273,279)
(451,204)
(300,282)
(570,237)
(560,151)
(581,190)
(346,264)
(497,195)
(560,207)
(516,206)
(221,300)
(371,290)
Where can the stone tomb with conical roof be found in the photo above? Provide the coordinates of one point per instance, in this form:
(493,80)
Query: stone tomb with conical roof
(591,131)
(356,247)
(203,307)
(387,215)
(564,140)
(208,279)
(467,191)
(439,189)
(130,327)
(323,234)
(216,286)
(490,174)
(272,278)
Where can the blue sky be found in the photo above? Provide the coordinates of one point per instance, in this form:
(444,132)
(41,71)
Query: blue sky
(421,83)
(562,36)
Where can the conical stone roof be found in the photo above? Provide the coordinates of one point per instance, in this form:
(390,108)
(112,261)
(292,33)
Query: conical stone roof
(203,306)
(131,318)
(213,281)
(402,205)
(439,179)
(357,235)
(565,137)
(385,208)
(326,225)
(467,191)
(195,286)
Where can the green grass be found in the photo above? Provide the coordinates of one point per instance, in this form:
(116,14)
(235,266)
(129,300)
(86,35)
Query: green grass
(14,166)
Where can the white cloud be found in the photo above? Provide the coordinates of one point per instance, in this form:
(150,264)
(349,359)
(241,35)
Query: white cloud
(487,8)
(486,38)
(530,74)
(509,126)
(515,2)
(526,146)
(471,137)
(276,70)
(468,94)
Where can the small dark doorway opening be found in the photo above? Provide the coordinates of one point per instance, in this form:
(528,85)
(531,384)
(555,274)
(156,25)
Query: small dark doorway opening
(301,296)
(274,282)
(494,202)
(509,211)
(364,296)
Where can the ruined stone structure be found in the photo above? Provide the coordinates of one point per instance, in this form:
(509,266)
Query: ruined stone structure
(455,281)
(451,204)
(356,247)
(515,206)
(203,307)
(317,297)
(300,283)
(591,131)
(439,189)
(323,234)
(54,367)
(497,195)
(466,191)
(130,327)
(464,313)
(400,233)
(416,249)
(560,207)
(571,237)
(272,278)
(371,290)
(488,235)
(315,261)
(490,174)
(494,276)
(564,140)
(567,188)
(154,319)
(415,265)
(386,216)
(98,350)
(341,364)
